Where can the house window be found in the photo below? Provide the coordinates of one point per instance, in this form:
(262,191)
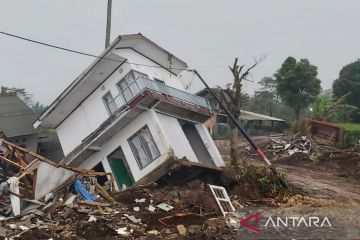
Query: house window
(129,87)
(144,148)
(109,102)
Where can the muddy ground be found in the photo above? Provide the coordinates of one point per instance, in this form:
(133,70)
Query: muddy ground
(326,182)
(333,176)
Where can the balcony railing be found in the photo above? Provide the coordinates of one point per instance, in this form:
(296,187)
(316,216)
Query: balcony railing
(143,83)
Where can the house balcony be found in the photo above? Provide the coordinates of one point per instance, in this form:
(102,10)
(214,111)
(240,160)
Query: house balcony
(141,95)
(146,93)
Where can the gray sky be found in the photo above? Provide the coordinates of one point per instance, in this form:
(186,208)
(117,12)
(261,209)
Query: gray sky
(207,34)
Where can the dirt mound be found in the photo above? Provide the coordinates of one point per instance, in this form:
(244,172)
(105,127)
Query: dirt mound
(302,201)
(345,164)
(297,159)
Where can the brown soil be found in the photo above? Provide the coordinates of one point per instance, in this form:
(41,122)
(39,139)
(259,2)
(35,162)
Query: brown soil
(330,181)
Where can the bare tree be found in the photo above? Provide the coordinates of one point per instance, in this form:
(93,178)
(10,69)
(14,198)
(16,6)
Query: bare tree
(232,97)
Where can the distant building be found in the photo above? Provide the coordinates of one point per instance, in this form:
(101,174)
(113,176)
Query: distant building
(253,123)
(16,121)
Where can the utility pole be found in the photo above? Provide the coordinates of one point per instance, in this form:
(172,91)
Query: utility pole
(108,24)
(244,133)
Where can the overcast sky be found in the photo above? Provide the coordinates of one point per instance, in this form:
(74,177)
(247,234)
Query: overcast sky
(207,34)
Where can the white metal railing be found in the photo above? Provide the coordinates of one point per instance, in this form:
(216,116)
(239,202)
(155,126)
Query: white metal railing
(142,83)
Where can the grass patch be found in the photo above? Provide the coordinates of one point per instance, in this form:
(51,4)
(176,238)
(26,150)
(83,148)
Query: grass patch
(350,126)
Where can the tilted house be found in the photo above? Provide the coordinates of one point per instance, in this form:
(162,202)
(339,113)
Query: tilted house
(130,118)
(16,119)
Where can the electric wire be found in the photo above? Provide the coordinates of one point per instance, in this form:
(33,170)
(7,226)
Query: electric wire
(87,54)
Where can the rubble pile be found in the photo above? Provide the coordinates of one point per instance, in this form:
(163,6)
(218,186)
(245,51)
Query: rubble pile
(78,207)
(308,152)
(143,212)
(288,145)
(41,199)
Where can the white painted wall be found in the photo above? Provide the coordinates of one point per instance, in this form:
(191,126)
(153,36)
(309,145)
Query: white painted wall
(121,139)
(210,145)
(176,137)
(92,112)
(168,136)
(159,73)
(46,183)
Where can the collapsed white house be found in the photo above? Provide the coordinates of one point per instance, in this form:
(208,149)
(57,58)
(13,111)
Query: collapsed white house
(129,119)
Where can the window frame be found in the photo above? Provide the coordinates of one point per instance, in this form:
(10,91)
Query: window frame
(138,161)
(106,103)
(130,72)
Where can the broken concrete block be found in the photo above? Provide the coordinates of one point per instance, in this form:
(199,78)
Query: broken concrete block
(132,218)
(141,200)
(15,200)
(92,218)
(153,232)
(70,200)
(151,208)
(181,229)
(23,228)
(164,206)
(123,231)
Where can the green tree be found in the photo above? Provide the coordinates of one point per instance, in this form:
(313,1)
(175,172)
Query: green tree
(297,84)
(349,82)
(268,84)
(327,108)
(38,108)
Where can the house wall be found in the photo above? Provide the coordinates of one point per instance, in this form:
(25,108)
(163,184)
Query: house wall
(31,141)
(181,145)
(159,73)
(168,136)
(176,137)
(210,145)
(121,139)
(92,112)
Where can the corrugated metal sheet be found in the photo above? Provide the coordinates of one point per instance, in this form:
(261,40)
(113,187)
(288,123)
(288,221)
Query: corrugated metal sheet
(250,116)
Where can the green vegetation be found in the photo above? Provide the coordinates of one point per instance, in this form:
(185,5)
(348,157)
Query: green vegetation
(350,126)
(349,82)
(352,133)
(297,84)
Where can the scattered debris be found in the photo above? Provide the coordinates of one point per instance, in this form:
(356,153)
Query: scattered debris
(153,232)
(79,208)
(122,231)
(142,200)
(181,229)
(132,218)
(282,145)
(151,208)
(164,206)
(92,218)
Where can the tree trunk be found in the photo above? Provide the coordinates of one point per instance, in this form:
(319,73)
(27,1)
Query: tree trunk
(234,135)
(297,114)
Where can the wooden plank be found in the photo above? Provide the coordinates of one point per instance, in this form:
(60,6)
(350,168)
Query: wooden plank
(94,204)
(11,162)
(104,193)
(67,182)
(34,183)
